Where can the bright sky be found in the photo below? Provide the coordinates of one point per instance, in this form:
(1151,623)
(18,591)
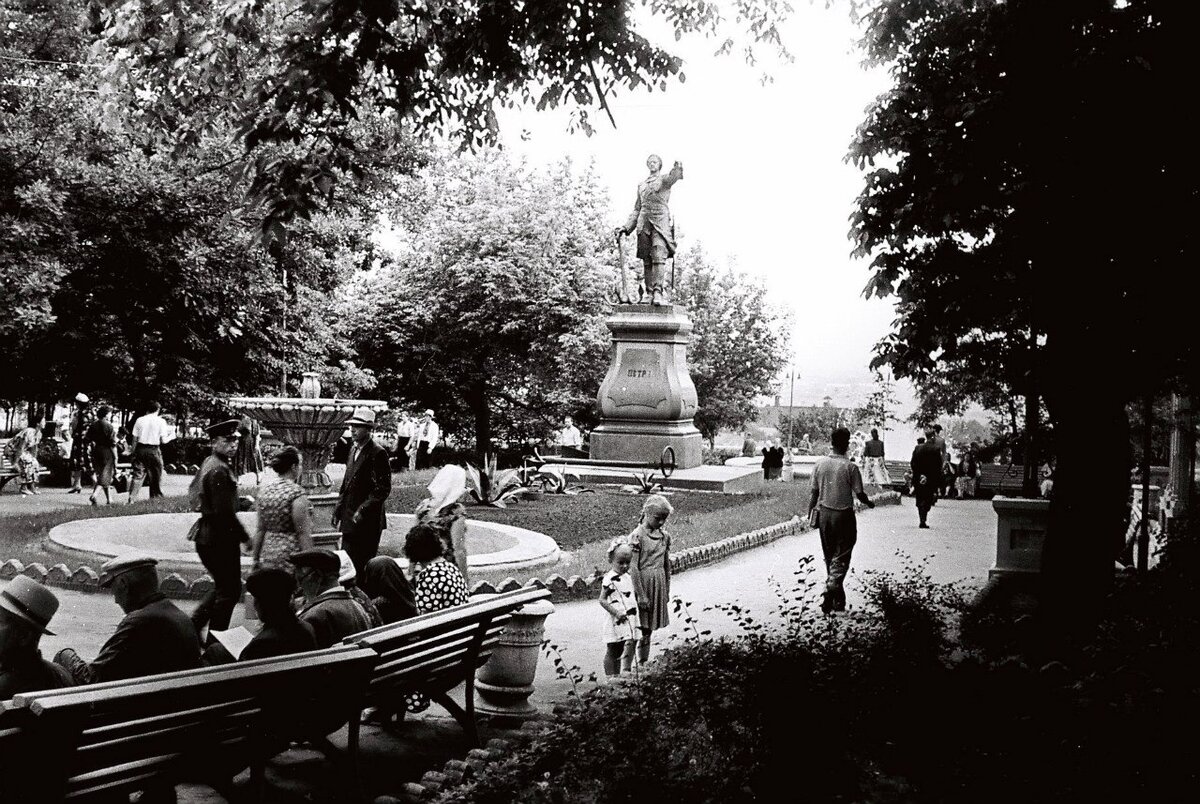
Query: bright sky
(765,182)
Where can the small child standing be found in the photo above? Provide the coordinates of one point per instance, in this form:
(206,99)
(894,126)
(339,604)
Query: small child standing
(619,601)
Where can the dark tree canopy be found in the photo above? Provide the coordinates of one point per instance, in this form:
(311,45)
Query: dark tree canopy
(1024,185)
(293,77)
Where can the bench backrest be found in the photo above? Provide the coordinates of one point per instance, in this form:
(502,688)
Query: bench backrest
(433,652)
(115,736)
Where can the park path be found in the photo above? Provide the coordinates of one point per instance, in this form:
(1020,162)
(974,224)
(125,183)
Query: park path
(960,546)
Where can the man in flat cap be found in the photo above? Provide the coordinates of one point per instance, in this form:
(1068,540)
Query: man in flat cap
(359,514)
(154,636)
(26,608)
(328,607)
(282,632)
(219,535)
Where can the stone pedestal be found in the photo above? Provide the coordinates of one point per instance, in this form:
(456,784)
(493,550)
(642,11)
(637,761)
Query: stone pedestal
(505,683)
(1021,526)
(647,400)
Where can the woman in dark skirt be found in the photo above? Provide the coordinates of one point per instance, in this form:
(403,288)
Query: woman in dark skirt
(101,440)
(248,458)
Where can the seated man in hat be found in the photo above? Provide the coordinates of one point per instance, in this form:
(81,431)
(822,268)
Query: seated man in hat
(154,637)
(26,608)
(282,632)
(328,607)
(348,578)
(359,514)
(219,534)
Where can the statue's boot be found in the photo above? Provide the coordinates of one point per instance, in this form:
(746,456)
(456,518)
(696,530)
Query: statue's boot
(658,298)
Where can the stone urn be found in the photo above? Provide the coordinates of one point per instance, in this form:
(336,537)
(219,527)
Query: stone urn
(310,386)
(505,683)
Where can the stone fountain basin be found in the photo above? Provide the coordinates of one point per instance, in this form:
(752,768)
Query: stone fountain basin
(490,545)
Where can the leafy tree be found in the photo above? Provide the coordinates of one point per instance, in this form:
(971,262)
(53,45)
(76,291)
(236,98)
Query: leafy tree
(739,340)
(492,314)
(294,77)
(880,405)
(1021,186)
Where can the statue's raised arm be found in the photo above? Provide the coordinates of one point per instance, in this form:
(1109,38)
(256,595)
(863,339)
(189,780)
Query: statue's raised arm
(651,219)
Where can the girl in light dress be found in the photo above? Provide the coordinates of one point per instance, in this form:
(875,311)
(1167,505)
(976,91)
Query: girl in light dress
(617,598)
(650,569)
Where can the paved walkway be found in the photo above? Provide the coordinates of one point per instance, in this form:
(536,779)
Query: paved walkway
(959,546)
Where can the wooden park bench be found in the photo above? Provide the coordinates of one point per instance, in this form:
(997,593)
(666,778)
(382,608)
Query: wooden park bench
(897,470)
(8,471)
(112,739)
(1000,478)
(434,653)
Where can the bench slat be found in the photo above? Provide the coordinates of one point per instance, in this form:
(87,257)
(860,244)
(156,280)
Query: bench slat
(473,610)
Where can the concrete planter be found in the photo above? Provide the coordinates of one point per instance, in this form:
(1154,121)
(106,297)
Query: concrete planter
(505,683)
(1020,536)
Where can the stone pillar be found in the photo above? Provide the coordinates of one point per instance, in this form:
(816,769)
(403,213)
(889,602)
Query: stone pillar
(505,682)
(1021,525)
(647,400)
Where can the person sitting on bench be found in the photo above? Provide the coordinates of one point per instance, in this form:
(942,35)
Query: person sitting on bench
(328,607)
(154,637)
(282,632)
(26,608)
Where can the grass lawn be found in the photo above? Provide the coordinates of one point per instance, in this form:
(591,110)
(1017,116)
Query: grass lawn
(582,524)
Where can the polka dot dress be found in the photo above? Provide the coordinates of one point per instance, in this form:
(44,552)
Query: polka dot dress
(439,585)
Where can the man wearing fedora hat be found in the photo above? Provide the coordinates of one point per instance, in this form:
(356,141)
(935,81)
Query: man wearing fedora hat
(359,513)
(218,534)
(26,608)
(153,637)
(424,439)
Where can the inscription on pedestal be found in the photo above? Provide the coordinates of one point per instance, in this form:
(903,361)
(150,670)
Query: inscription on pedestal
(640,379)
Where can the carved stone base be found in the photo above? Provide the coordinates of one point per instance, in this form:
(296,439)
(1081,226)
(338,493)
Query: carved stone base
(647,400)
(645,441)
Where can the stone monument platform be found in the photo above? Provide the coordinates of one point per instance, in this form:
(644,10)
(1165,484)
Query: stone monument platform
(725,479)
(647,399)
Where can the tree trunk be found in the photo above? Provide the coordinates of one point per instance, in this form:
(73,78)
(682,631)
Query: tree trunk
(1029,482)
(478,400)
(1091,477)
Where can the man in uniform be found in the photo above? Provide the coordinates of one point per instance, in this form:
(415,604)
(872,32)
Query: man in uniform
(26,608)
(218,534)
(359,514)
(651,218)
(154,636)
(328,607)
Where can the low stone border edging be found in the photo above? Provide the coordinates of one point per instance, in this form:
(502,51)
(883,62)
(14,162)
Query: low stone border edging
(86,579)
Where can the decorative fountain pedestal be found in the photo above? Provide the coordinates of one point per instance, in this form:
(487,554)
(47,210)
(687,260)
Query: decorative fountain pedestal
(311,425)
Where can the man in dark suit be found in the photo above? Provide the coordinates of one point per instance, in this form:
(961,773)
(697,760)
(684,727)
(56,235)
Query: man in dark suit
(359,514)
(154,637)
(282,632)
(328,608)
(926,474)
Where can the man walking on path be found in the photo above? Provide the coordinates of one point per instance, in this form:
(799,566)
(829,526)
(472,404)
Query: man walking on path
(150,432)
(926,474)
(836,482)
(219,534)
(359,514)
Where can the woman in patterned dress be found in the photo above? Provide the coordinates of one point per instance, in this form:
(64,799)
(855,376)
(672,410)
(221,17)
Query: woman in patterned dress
(437,584)
(102,452)
(651,569)
(26,448)
(81,455)
(284,518)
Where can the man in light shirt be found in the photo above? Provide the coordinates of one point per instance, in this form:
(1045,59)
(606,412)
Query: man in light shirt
(836,483)
(425,438)
(569,438)
(150,432)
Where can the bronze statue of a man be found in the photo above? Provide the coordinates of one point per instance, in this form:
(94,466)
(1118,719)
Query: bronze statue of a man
(651,218)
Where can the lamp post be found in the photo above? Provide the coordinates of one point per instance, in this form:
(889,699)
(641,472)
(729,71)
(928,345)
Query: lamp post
(791,406)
